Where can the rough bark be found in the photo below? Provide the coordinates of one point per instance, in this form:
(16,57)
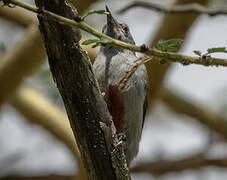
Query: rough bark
(86,109)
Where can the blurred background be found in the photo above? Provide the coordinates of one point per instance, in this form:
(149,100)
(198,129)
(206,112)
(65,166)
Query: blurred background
(185,133)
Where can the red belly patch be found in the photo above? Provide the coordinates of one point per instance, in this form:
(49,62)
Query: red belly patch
(116,107)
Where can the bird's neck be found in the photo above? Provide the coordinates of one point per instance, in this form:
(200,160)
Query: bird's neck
(113,50)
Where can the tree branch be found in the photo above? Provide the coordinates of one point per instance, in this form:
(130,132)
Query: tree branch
(166,166)
(25,18)
(49,177)
(205,115)
(19,57)
(186,8)
(18,16)
(38,110)
(171,26)
(87,111)
(82,6)
(173,57)
(29,102)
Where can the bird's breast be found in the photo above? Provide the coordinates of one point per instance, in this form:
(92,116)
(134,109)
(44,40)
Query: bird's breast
(116,106)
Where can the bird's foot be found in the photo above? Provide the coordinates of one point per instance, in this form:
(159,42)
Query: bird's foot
(121,139)
(120,143)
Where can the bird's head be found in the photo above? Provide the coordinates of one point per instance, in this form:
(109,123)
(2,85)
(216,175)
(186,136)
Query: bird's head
(117,30)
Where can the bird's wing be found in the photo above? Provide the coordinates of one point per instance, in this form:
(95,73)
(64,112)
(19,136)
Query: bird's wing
(144,110)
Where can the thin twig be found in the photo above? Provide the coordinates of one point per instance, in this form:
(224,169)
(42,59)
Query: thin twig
(18,16)
(122,83)
(41,177)
(165,166)
(206,116)
(30,46)
(173,57)
(187,8)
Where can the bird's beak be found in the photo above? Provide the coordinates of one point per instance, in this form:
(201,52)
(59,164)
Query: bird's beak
(111,22)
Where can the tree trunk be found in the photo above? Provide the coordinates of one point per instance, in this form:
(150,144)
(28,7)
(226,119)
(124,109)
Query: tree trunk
(87,111)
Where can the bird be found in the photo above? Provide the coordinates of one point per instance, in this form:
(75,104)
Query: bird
(127,106)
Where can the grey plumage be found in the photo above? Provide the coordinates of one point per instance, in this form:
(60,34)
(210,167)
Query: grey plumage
(111,64)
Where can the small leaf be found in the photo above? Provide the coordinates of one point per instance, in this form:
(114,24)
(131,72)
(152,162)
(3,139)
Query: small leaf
(105,40)
(197,53)
(171,49)
(95,45)
(174,42)
(162,46)
(163,61)
(95,12)
(90,41)
(160,43)
(169,45)
(97,42)
(98,12)
(216,50)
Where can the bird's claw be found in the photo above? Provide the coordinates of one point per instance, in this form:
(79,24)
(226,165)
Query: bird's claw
(121,139)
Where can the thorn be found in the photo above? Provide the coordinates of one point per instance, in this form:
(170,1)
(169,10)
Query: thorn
(138,60)
(39,10)
(144,48)
(77,18)
(185,63)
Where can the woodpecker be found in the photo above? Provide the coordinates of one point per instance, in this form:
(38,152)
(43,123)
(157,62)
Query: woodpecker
(127,106)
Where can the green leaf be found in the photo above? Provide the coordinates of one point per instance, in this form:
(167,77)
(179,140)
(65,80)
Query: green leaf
(171,49)
(162,46)
(197,53)
(169,45)
(160,43)
(90,41)
(95,12)
(97,42)
(163,61)
(95,45)
(105,40)
(174,42)
(98,12)
(216,50)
